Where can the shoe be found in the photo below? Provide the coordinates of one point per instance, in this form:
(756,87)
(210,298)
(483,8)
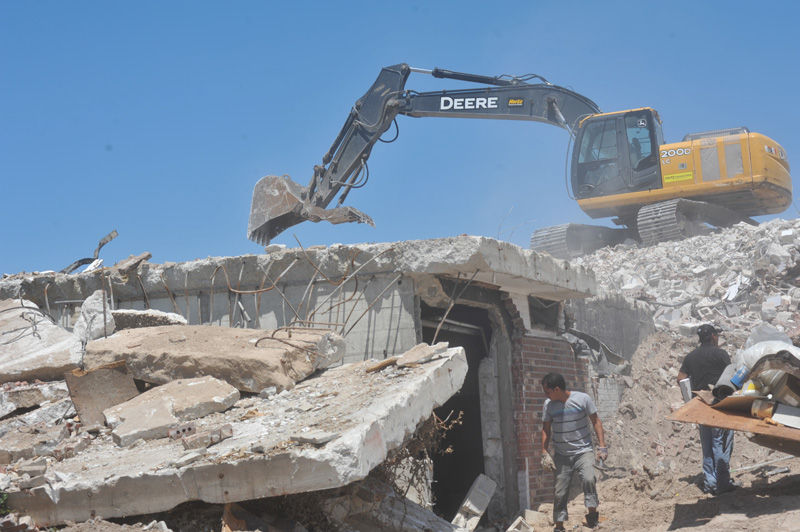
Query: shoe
(707,489)
(592,518)
(560,528)
(730,487)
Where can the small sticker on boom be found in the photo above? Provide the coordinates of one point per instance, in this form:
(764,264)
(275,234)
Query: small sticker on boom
(515,102)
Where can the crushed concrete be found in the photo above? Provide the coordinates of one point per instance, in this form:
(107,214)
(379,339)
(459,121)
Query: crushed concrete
(736,278)
(32,346)
(248,359)
(151,414)
(370,413)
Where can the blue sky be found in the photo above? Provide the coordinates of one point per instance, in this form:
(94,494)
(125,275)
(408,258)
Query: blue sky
(157,118)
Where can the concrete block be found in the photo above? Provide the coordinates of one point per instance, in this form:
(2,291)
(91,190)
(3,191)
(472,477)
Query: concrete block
(248,359)
(95,320)
(34,347)
(475,503)
(151,414)
(787,236)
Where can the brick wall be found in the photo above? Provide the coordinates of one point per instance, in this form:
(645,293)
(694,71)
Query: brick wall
(532,358)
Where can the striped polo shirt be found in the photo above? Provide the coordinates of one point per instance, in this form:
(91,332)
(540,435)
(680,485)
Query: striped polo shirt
(570,430)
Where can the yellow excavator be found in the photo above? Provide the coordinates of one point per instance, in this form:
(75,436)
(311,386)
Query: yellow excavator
(620,166)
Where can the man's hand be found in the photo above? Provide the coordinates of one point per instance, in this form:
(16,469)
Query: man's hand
(547,462)
(602,453)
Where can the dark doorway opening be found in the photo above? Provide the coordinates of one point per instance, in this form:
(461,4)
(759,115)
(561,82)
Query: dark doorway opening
(454,472)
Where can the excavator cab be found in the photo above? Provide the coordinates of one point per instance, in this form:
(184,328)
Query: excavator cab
(616,153)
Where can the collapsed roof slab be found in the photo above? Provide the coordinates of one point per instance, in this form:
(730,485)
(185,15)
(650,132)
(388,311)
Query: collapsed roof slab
(498,263)
(364,414)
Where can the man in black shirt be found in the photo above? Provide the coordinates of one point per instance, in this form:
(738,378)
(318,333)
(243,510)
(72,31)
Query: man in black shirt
(704,366)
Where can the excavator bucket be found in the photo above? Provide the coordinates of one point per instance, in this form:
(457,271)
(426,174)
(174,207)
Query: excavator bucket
(280,203)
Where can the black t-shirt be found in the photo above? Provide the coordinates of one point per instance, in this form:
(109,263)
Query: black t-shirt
(705,365)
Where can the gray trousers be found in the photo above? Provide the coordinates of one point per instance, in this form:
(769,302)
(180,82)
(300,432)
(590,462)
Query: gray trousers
(565,467)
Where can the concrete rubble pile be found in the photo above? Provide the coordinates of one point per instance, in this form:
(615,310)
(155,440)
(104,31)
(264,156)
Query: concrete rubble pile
(737,278)
(226,415)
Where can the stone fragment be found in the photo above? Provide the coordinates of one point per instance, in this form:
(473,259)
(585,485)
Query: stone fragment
(134,319)
(208,437)
(314,437)
(127,266)
(98,389)
(70,447)
(689,329)
(421,353)
(28,483)
(151,414)
(95,320)
(190,457)
(33,468)
(536,518)
(787,236)
(33,346)
(248,359)
(475,503)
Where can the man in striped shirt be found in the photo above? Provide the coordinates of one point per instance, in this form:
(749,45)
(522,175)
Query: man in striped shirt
(567,417)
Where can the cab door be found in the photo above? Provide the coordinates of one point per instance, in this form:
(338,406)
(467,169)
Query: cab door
(640,164)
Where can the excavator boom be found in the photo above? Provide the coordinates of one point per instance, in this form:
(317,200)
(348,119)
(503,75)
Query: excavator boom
(279,202)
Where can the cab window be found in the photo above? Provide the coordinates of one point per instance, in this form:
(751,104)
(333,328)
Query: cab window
(599,142)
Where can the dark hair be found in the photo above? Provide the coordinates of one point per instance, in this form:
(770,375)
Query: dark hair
(706,332)
(553,381)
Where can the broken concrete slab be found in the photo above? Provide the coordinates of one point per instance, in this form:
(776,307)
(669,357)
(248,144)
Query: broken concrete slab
(95,390)
(27,396)
(151,414)
(134,319)
(372,412)
(248,359)
(33,346)
(95,320)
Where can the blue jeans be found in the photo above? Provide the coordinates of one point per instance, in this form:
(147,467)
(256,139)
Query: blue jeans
(717,448)
(565,466)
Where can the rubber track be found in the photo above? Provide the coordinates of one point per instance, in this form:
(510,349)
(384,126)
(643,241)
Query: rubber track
(660,222)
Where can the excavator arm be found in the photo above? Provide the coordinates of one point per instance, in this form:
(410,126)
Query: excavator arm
(279,202)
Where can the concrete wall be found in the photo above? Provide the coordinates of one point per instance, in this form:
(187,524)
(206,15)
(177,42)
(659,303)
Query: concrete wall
(377,310)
